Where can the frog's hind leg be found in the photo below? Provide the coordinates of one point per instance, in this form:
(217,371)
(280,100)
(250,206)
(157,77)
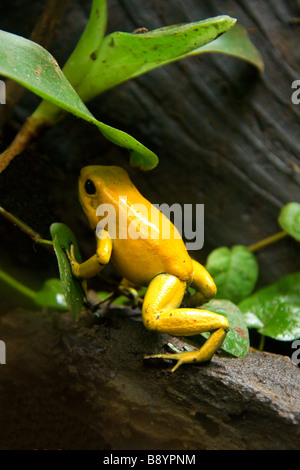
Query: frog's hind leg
(161,313)
(204,285)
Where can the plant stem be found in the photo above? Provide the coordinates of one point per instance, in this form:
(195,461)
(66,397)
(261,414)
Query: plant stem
(17,285)
(262,343)
(267,241)
(25,228)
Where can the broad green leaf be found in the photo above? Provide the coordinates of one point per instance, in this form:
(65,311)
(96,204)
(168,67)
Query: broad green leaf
(237,339)
(236,43)
(33,67)
(71,287)
(123,56)
(51,295)
(289,219)
(252,321)
(234,271)
(275,310)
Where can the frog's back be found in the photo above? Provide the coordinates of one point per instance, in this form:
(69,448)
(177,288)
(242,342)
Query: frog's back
(152,244)
(147,261)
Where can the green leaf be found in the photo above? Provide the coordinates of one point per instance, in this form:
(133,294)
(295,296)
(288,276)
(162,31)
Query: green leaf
(234,271)
(33,67)
(236,43)
(289,219)
(275,310)
(123,56)
(71,287)
(237,339)
(51,295)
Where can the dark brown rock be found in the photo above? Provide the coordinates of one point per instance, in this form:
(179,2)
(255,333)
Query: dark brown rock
(86,386)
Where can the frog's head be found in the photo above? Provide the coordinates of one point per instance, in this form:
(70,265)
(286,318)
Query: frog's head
(99,184)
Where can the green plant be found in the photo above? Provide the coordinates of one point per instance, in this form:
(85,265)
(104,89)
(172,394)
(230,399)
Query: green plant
(101,62)
(274,311)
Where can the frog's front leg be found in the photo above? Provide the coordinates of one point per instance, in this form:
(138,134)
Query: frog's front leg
(95,263)
(161,313)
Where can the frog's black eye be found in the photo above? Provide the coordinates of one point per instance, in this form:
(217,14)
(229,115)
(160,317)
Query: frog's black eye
(90,187)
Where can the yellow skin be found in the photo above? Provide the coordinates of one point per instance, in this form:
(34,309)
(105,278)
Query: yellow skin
(162,264)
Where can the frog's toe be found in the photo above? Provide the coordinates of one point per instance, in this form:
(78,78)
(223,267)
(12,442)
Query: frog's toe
(176,357)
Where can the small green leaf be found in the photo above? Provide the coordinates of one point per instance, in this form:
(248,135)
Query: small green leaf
(33,67)
(123,56)
(71,287)
(234,271)
(237,339)
(140,156)
(236,43)
(51,295)
(289,219)
(275,310)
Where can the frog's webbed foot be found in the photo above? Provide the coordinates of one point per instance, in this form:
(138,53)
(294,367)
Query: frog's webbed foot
(181,358)
(75,266)
(176,355)
(202,355)
(71,257)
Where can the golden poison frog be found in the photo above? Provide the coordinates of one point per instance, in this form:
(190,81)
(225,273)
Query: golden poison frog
(131,232)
